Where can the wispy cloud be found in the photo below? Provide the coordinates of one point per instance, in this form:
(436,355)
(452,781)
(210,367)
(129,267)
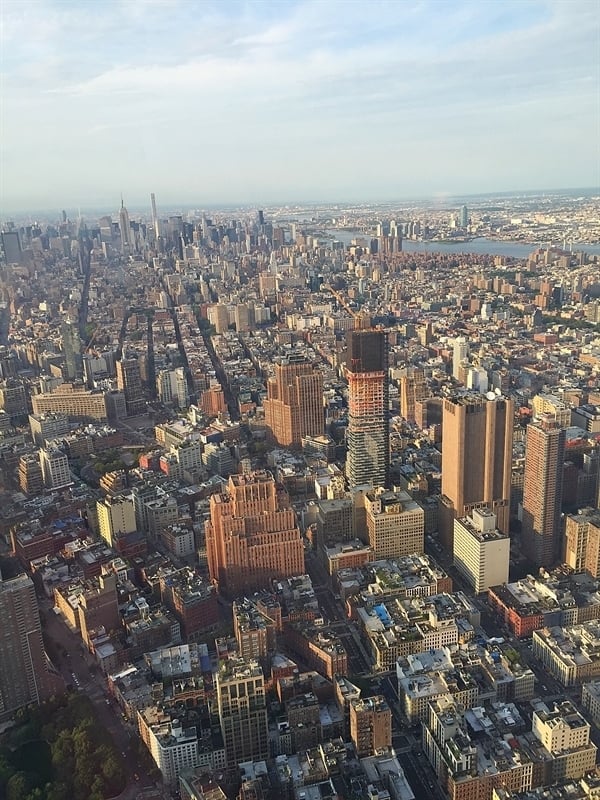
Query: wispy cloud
(418,92)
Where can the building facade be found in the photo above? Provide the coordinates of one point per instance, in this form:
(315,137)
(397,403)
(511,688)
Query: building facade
(481,551)
(542,491)
(395,524)
(24,676)
(242,710)
(129,381)
(370,725)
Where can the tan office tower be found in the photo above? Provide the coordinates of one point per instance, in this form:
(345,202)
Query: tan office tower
(542,490)
(476,460)
(294,404)
(24,676)
(242,711)
(129,380)
(252,536)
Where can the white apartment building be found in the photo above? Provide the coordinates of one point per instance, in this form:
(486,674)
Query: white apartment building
(481,551)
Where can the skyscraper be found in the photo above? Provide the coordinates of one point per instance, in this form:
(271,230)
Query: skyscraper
(368,460)
(72,350)
(464,217)
(11,246)
(294,404)
(24,675)
(155,223)
(129,380)
(252,536)
(125,228)
(542,490)
(477,435)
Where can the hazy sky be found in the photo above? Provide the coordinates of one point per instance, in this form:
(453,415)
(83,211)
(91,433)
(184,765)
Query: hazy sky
(216,102)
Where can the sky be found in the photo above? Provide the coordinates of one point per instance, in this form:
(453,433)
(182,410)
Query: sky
(260,102)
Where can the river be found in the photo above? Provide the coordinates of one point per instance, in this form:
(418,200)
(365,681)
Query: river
(480,245)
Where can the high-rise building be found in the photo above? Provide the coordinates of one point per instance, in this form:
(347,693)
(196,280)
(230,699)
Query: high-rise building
(242,710)
(582,541)
(171,387)
(155,222)
(542,490)
(413,389)
(24,675)
(129,380)
(252,536)
(294,404)
(31,479)
(476,459)
(395,523)
(116,517)
(368,460)
(242,317)
(481,551)
(13,398)
(45,427)
(464,217)
(11,247)
(212,401)
(72,350)
(125,229)
(565,733)
(460,353)
(218,315)
(72,399)
(55,468)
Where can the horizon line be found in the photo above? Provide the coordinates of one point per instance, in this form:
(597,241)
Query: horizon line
(248,205)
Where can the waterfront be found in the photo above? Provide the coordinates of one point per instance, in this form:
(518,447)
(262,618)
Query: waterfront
(481,245)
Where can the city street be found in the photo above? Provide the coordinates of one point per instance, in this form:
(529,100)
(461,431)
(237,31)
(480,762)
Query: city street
(77,669)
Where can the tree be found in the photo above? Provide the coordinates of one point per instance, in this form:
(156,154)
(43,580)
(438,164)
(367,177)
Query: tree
(6,772)
(19,786)
(57,791)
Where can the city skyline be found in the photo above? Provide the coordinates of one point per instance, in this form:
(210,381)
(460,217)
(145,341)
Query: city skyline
(250,104)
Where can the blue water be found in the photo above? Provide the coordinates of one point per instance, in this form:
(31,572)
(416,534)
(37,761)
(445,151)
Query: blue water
(480,246)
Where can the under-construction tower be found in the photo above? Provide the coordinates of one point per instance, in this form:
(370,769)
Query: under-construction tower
(368,460)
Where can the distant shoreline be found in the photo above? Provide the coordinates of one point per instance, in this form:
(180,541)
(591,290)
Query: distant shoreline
(480,245)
